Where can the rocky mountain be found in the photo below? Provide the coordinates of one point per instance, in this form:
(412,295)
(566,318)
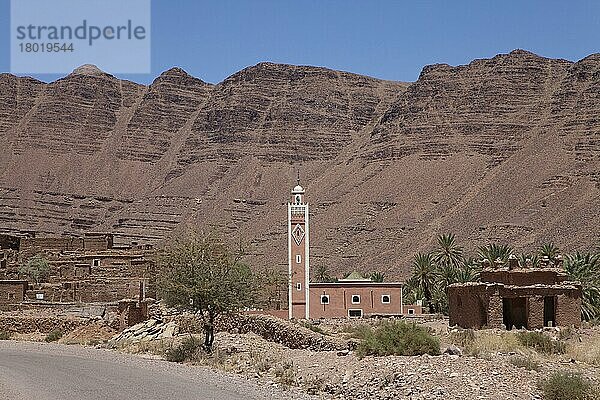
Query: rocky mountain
(504,149)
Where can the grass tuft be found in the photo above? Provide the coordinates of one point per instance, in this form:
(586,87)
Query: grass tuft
(541,343)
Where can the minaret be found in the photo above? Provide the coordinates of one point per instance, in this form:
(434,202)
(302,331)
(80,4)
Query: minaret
(298,258)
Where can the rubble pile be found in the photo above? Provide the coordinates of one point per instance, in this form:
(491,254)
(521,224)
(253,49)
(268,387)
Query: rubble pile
(151,329)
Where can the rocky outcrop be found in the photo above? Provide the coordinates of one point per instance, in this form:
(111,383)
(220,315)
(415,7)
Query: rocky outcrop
(170,101)
(144,331)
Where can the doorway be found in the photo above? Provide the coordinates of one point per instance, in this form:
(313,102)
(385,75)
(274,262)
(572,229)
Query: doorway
(514,312)
(549,311)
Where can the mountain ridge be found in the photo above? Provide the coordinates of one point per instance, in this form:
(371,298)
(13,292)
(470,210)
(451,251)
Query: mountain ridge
(501,149)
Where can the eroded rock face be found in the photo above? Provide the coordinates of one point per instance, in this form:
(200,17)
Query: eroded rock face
(504,149)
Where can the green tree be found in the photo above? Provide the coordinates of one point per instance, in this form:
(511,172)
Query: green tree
(585,268)
(549,250)
(529,260)
(495,251)
(424,275)
(37,269)
(448,253)
(322,274)
(273,285)
(412,293)
(200,274)
(377,277)
(468,271)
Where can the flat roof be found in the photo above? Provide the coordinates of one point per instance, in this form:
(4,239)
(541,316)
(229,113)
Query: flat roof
(356,283)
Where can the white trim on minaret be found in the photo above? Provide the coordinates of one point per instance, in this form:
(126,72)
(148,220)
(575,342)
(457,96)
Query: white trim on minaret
(290,307)
(306,265)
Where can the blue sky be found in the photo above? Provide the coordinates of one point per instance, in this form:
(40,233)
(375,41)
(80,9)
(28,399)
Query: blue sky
(381,38)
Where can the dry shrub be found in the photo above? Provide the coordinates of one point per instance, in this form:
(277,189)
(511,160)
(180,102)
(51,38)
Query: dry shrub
(286,373)
(462,338)
(189,349)
(525,362)
(487,342)
(398,338)
(4,335)
(541,343)
(587,351)
(564,385)
(53,336)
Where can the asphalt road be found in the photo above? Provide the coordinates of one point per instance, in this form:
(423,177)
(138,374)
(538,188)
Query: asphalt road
(40,371)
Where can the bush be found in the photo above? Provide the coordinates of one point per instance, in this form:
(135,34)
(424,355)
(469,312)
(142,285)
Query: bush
(541,343)
(398,338)
(525,362)
(189,349)
(567,385)
(5,335)
(359,331)
(53,336)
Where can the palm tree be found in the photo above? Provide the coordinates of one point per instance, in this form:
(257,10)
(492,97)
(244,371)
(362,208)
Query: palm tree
(377,277)
(412,293)
(322,274)
(423,276)
(529,260)
(448,253)
(445,275)
(585,268)
(495,251)
(549,250)
(468,271)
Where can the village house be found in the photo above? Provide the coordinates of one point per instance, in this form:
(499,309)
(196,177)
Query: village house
(86,269)
(515,297)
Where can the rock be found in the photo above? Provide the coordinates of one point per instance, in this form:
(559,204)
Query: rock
(453,350)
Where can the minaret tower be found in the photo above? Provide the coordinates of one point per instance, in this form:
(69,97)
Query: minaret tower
(298,259)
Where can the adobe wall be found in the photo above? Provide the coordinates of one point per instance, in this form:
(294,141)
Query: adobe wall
(36,245)
(12,292)
(465,300)
(340,300)
(568,310)
(468,306)
(97,242)
(523,277)
(567,303)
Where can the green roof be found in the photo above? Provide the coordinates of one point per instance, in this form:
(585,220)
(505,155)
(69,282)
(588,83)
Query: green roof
(355,276)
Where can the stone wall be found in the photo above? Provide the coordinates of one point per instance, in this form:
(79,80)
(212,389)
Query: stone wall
(28,324)
(281,331)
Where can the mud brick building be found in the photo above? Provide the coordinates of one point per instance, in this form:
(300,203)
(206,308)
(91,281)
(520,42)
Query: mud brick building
(516,298)
(87,269)
(11,292)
